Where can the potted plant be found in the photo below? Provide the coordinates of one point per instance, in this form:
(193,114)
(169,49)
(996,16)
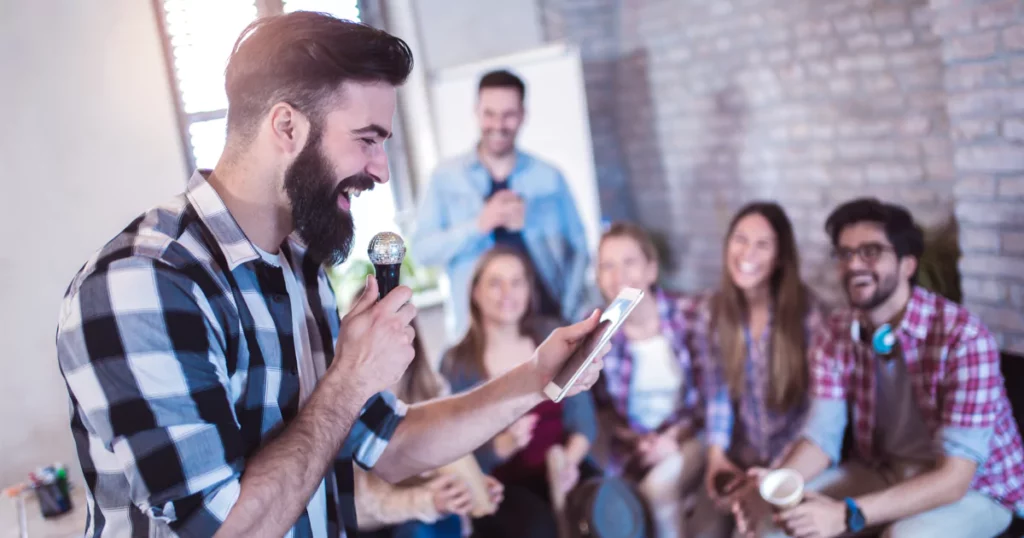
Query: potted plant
(938,269)
(348,278)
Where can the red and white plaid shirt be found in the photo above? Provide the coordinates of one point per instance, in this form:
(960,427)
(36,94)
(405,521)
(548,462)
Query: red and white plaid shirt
(953,364)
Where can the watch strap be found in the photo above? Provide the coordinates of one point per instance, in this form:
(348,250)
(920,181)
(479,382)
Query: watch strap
(854,516)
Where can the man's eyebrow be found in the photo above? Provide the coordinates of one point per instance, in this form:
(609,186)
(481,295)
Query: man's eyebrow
(373,128)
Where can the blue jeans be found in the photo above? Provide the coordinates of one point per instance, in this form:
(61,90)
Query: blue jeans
(449,527)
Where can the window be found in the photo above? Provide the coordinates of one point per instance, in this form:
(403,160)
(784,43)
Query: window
(199,37)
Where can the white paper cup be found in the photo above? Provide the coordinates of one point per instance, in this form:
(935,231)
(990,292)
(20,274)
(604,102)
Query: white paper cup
(782,488)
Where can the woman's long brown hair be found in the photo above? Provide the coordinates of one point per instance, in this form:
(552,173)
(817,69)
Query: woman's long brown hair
(419,382)
(790,303)
(469,352)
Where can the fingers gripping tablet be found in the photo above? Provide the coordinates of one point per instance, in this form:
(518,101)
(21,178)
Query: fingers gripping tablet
(587,351)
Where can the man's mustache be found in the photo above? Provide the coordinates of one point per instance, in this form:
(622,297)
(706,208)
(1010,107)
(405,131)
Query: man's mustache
(362,181)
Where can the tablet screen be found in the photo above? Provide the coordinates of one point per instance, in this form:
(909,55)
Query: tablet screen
(611,319)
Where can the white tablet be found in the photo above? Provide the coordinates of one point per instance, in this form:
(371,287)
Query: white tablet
(611,320)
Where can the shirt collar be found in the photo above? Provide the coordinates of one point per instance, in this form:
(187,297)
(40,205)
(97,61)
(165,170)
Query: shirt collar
(210,206)
(918,314)
(665,307)
(664,303)
(473,163)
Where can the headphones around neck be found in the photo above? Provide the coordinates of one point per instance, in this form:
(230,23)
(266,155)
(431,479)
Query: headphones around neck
(882,341)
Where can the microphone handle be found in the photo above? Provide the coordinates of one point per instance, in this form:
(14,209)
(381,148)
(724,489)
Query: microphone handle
(387,277)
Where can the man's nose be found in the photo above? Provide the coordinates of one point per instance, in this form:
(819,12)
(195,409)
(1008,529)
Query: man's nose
(378,167)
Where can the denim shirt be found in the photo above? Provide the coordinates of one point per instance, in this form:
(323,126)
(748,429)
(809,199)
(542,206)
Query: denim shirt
(446,233)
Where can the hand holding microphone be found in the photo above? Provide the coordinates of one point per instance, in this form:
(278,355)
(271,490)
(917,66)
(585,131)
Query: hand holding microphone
(376,334)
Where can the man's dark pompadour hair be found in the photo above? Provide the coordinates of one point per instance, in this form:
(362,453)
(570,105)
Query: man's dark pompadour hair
(900,229)
(301,58)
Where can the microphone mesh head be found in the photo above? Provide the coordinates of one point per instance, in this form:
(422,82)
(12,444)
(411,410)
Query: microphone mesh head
(386,248)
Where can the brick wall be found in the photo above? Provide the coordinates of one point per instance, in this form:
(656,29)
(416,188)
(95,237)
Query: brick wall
(811,102)
(983,52)
(593,26)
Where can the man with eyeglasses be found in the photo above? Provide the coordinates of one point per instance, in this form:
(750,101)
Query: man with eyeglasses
(936,451)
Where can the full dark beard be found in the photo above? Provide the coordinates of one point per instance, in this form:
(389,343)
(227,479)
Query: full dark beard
(327,230)
(885,287)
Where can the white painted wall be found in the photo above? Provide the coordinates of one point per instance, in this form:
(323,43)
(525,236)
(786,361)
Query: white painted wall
(89,140)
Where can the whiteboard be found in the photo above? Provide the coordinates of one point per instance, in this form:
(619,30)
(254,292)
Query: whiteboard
(556,128)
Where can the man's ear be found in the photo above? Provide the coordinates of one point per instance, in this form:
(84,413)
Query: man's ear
(908,267)
(288,127)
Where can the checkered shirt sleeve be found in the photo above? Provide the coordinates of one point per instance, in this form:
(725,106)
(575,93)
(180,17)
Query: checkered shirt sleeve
(718,412)
(148,372)
(144,357)
(828,360)
(972,385)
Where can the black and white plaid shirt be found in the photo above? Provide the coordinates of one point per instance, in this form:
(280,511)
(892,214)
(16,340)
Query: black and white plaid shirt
(176,344)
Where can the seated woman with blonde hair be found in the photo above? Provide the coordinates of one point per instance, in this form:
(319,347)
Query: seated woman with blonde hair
(649,394)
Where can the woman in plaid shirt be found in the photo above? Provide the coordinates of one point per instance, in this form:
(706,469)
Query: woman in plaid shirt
(648,394)
(936,451)
(754,333)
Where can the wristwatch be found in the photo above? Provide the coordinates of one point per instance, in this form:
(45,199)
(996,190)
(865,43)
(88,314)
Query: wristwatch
(854,517)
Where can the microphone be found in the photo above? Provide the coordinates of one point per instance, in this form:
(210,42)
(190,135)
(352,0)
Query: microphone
(387,250)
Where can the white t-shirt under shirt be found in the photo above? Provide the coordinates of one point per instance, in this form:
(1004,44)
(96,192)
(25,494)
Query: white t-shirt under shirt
(656,383)
(309,372)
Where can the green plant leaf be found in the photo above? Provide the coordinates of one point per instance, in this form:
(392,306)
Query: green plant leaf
(938,269)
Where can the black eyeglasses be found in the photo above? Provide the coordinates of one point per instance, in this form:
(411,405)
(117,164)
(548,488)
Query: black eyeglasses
(868,252)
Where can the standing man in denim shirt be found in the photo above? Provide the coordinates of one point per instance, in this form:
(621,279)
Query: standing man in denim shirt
(496,194)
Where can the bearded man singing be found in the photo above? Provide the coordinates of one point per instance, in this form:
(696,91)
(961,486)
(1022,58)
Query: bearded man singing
(214,389)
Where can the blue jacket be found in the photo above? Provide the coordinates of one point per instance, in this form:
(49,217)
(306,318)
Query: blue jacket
(446,233)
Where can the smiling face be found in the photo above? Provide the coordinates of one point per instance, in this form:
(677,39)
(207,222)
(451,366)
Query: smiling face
(342,157)
(751,252)
(621,263)
(500,114)
(869,269)
(502,292)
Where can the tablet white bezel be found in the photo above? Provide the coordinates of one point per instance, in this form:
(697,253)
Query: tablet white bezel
(632,297)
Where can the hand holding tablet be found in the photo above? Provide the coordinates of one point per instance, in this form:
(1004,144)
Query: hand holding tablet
(610,322)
